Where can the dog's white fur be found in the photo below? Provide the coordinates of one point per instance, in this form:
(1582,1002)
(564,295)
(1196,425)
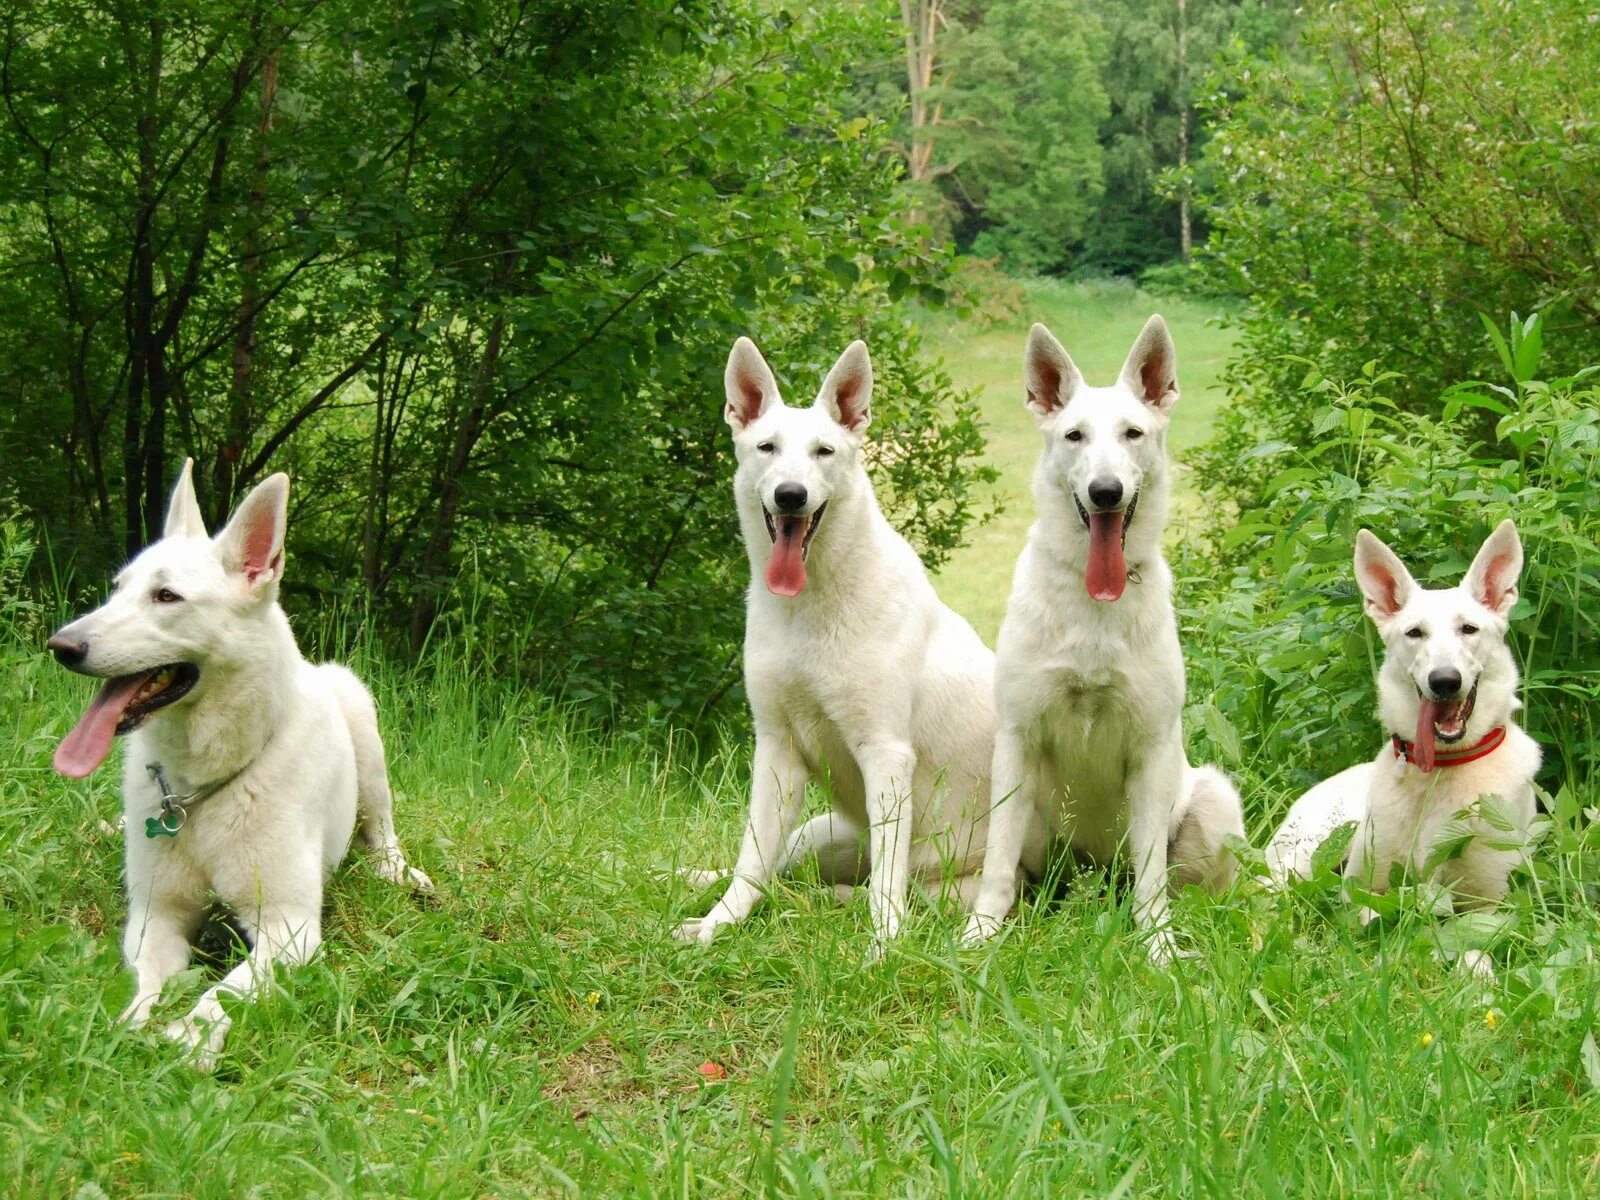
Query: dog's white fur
(864,680)
(1089,751)
(1400,810)
(300,743)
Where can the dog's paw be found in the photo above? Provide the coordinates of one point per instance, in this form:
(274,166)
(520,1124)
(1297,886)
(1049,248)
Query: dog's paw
(137,1014)
(200,1037)
(1477,964)
(698,930)
(1164,949)
(1365,916)
(400,873)
(980,928)
(695,877)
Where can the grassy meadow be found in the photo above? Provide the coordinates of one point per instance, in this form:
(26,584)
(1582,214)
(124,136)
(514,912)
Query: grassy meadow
(532,1030)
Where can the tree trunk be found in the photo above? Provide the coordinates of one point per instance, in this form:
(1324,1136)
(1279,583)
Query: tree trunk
(447,487)
(240,391)
(1185,229)
(921,19)
(141,436)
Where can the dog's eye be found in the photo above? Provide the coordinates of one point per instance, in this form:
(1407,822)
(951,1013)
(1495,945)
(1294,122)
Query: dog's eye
(1133,435)
(1414,632)
(165,596)
(1468,630)
(766,447)
(824,451)
(1074,435)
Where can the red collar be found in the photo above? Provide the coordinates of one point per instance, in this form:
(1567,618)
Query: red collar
(1482,748)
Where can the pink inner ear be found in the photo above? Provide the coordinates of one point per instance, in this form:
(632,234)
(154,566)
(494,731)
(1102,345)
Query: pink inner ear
(750,397)
(258,546)
(1383,588)
(1155,379)
(1496,582)
(1047,377)
(848,399)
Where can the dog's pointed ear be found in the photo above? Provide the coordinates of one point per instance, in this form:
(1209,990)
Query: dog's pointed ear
(1492,578)
(252,543)
(847,391)
(1048,373)
(183,510)
(1151,371)
(1385,583)
(750,384)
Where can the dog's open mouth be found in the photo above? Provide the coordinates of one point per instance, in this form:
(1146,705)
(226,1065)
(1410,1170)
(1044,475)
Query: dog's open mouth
(791,543)
(1106,576)
(1440,721)
(123,703)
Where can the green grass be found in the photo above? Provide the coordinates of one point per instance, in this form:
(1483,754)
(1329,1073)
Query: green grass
(1097,323)
(533,1031)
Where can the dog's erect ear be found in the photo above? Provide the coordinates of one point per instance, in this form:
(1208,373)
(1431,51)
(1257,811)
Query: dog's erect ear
(750,384)
(1492,578)
(1048,373)
(847,391)
(183,510)
(1151,371)
(1384,581)
(252,544)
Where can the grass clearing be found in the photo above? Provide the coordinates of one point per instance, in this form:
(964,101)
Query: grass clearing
(533,1030)
(1096,322)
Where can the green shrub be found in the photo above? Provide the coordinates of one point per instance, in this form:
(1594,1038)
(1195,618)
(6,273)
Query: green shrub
(1281,648)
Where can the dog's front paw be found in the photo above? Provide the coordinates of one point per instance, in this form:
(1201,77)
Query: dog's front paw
(137,1014)
(400,873)
(1477,964)
(980,928)
(1164,949)
(698,930)
(1365,916)
(201,1037)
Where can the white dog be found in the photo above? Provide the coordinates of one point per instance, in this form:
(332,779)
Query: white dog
(1089,678)
(245,766)
(1446,694)
(857,674)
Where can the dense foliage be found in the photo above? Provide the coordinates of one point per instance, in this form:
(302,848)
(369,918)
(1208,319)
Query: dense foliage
(469,272)
(1282,648)
(1437,162)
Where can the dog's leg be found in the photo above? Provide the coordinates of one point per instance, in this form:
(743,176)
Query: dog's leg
(887,771)
(1212,812)
(290,940)
(1359,867)
(374,802)
(1153,793)
(777,790)
(1012,786)
(157,945)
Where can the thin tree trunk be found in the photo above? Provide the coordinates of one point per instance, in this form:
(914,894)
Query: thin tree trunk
(447,487)
(140,435)
(241,388)
(1185,228)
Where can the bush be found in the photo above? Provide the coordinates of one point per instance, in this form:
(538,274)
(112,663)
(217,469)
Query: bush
(1279,593)
(1436,160)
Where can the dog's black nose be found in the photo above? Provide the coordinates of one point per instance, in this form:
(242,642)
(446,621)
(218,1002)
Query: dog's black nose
(1444,682)
(68,651)
(789,497)
(1105,491)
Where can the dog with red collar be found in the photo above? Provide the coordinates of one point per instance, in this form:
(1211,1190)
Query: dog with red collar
(1447,695)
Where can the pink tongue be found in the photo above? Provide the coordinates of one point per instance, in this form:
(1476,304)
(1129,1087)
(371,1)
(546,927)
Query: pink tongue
(86,747)
(1107,575)
(1422,748)
(786,569)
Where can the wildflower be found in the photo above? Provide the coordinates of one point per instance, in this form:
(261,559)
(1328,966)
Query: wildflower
(1427,1039)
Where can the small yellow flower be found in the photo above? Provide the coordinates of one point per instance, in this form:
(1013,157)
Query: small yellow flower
(1491,1018)
(594,999)
(1427,1039)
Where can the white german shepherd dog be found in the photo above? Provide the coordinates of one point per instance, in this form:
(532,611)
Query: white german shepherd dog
(246,767)
(1089,681)
(857,675)
(1446,694)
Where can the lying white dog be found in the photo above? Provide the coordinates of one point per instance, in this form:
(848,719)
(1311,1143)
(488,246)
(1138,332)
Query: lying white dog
(857,674)
(245,765)
(1446,694)
(1089,680)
